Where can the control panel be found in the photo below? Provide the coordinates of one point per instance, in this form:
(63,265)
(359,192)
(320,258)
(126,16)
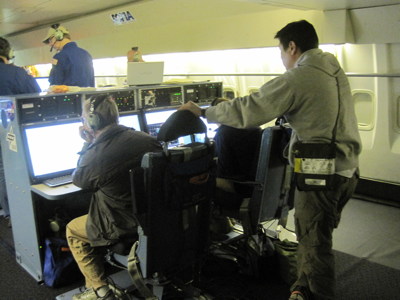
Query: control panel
(202,92)
(125,99)
(49,107)
(160,96)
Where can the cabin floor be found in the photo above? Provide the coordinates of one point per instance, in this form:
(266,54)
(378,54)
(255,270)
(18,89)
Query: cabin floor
(366,247)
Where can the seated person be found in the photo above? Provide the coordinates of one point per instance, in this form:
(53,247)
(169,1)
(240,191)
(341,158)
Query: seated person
(109,151)
(237,152)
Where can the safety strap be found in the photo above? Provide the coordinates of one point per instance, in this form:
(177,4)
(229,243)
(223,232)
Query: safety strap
(137,276)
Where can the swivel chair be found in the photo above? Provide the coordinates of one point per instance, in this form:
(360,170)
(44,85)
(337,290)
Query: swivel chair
(271,199)
(171,198)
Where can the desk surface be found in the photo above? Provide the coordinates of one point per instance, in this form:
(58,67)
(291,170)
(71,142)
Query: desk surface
(55,193)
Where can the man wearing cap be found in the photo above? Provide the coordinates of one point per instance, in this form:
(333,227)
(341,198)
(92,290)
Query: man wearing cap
(72,66)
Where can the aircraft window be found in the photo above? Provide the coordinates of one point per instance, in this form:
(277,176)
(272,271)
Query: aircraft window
(229,93)
(364,104)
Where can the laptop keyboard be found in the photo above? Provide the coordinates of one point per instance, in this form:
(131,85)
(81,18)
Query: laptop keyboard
(58,180)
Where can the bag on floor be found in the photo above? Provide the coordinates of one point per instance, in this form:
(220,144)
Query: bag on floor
(60,268)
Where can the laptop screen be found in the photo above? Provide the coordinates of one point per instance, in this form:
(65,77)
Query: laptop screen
(145,73)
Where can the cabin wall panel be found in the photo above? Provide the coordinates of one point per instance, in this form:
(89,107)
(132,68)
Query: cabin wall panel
(376,24)
(381,144)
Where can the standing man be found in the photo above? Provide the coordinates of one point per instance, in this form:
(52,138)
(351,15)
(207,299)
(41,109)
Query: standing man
(312,95)
(110,150)
(13,80)
(72,66)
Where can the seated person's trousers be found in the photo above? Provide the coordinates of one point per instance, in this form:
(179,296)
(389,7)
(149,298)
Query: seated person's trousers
(89,259)
(317,213)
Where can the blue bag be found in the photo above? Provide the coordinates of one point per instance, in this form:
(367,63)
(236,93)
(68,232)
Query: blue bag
(60,268)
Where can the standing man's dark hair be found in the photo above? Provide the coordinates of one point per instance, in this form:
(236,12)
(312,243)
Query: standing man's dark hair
(300,32)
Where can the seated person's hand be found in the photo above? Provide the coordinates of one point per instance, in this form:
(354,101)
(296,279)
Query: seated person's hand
(192,107)
(86,134)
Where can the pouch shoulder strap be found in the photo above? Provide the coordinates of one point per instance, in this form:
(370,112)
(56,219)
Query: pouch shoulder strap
(136,276)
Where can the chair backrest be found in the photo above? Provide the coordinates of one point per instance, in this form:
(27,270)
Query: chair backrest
(271,195)
(174,220)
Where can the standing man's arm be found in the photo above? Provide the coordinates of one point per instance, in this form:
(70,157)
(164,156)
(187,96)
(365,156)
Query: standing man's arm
(57,76)
(274,99)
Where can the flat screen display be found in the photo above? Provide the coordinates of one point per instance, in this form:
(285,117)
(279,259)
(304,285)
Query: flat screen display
(154,120)
(211,128)
(52,149)
(43,83)
(131,121)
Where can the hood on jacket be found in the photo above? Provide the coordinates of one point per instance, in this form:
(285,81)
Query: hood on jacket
(323,61)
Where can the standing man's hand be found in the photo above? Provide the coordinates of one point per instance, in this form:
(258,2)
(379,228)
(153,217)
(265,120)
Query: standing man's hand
(192,107)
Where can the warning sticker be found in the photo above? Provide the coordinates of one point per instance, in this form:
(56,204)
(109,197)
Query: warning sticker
(317,166)
(12,141)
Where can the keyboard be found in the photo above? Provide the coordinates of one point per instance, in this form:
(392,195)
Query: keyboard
(57,181)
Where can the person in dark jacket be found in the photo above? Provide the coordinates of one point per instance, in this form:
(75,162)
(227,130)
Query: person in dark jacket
(237,152)
(72,66)
(13,80)
(109,151)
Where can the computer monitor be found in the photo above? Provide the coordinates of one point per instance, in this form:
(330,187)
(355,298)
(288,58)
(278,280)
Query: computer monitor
(43,83)
(131,120)
(211,128)
(52,149)
(154,120)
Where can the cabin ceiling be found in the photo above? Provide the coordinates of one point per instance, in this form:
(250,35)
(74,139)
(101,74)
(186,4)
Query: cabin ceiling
(19,16)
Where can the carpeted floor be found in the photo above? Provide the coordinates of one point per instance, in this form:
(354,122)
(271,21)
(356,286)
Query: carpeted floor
(367,264)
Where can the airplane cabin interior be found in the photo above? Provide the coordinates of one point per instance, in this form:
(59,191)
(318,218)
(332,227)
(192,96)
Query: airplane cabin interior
(193,242)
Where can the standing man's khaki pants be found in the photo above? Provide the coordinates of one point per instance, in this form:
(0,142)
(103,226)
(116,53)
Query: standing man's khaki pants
(317,213)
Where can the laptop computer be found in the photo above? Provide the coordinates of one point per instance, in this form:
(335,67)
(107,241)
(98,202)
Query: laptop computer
(145,73)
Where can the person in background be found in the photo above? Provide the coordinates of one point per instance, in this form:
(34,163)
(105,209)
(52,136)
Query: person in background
(109,151)
(237,152)
(312,94)
(72,66)
(134,55)
(13,80)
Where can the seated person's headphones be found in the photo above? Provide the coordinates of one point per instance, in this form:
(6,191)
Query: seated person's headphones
(96,120)
(5,49)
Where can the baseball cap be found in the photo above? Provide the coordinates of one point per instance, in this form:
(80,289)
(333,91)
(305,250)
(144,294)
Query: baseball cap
(52,32)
